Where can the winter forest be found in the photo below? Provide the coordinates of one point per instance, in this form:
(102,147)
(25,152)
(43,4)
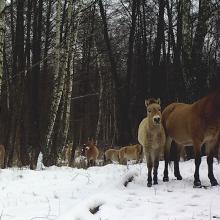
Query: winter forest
(77,69)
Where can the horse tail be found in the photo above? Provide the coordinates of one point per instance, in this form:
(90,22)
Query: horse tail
(167,148)
(165,114)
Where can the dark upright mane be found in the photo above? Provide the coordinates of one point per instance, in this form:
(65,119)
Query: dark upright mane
(152,101)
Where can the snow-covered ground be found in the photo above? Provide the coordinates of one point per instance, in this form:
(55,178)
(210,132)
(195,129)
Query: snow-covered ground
(68,194)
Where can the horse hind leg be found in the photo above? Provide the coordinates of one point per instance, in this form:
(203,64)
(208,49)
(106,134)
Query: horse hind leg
(177,149)
(211,176)
(210,155)
(166,158)
(197,151)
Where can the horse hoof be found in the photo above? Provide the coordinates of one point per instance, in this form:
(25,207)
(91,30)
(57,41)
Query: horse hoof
(179,177)
(197,184)
(166,179)
(155,182)
(214,183)
(149,184)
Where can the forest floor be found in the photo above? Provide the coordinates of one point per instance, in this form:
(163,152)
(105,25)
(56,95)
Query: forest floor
(65,193)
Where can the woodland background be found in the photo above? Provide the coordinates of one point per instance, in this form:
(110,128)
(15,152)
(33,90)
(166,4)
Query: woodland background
(73,69)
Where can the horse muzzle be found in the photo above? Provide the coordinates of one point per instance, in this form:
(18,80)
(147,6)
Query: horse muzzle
(157,120)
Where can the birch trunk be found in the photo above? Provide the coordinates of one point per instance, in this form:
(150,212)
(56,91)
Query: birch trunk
(57,82)
(113,77)
(101,97)
(71,41)
(2,36)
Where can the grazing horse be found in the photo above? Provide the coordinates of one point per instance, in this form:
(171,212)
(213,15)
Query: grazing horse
(193,124)
(151,136)
(111,155)
(91,152)
(132,152)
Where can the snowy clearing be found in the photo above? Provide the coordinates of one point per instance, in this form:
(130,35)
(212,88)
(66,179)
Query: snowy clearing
(72,194)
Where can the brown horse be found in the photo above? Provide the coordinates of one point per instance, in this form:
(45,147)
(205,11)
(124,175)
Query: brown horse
(111,155)
(193,124)
(132,152)
(91,152)
(151,136)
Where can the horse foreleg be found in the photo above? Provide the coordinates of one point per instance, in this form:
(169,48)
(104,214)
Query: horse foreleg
(156,165)
(149,167)
(210,170)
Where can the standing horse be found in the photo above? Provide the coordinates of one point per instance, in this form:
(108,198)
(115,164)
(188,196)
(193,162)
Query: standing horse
(132,152)
(111,155)
(152,137)
(91,152)
(193,124)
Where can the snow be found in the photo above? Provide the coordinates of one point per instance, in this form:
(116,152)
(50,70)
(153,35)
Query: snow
(65,193)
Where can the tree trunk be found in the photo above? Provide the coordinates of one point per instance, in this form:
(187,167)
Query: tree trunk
(114,76)
(58,85)
(157,78)
(2,38)
(126,106)
(35,80)
(198,74)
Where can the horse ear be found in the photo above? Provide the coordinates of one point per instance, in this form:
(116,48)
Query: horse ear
(158,101)
(146,102)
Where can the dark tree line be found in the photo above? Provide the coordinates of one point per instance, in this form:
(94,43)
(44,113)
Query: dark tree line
(70,70)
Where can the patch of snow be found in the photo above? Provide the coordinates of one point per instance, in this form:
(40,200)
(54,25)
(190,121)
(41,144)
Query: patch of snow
(65,193)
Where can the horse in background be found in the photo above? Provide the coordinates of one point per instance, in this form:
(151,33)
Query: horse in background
(151,136)
(111,155)
(193,124)
(132,152)
(91,152)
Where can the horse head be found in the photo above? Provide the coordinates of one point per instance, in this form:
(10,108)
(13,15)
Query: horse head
(153,110)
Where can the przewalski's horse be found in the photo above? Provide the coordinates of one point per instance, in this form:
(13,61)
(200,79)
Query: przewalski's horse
(2,156)
(91,152)
(151,136)
(193,124)
(132,152)
(111,155)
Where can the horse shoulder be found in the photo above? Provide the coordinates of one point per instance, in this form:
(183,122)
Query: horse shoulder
(142,131)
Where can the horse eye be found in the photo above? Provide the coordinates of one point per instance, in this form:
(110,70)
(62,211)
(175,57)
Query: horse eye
(149,111)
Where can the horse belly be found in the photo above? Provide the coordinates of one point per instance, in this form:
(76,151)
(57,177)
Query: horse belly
(178,126)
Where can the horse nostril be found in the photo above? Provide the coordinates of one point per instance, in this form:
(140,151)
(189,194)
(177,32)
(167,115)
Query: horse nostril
(157,120)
